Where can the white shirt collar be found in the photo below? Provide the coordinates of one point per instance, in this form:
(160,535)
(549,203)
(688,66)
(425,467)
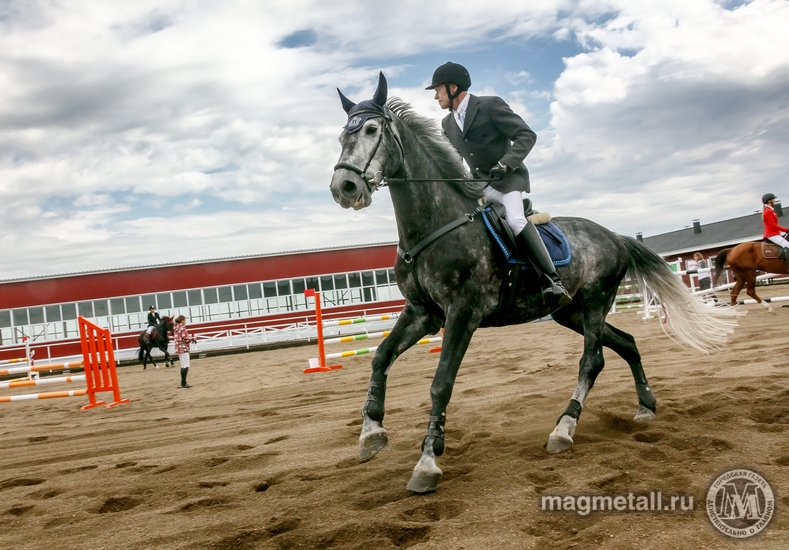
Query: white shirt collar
(460,112)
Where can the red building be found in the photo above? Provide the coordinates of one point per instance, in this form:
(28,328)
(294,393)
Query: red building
(250,291)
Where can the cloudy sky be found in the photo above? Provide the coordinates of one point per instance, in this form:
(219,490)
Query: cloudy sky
(138,133)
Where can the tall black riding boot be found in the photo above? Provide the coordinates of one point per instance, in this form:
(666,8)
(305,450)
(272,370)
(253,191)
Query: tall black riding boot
(553,292)
(785,254)
(184,372)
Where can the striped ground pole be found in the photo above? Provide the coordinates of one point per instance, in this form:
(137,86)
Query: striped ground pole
(50,395)
(768,300)
(7,361)
(356,337)
(372,349)
(342,322)
(42,381)
(41,368)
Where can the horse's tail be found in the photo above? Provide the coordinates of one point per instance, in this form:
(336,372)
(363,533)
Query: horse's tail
(720,261)
(691,321)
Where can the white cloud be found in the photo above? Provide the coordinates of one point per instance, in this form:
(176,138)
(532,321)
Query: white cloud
(194,111)
(681,110)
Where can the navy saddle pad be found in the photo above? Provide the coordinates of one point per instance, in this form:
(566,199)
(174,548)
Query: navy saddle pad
(555,241)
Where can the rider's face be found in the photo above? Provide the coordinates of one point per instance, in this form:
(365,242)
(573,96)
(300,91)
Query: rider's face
(441,94)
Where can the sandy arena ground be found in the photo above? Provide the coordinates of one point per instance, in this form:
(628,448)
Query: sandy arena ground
(259,455)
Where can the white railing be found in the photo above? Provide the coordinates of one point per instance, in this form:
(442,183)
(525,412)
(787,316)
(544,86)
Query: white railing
(242,334)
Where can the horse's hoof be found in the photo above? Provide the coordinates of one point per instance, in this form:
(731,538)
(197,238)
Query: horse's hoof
(426,474)
(372,443)
(423,482)
(644,415)
(558,443)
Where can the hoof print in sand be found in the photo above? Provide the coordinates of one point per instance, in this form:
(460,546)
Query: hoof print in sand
(20,482)
(262,486)
(201,503)
(118,504)
(433,511)
(618,423)
(250,537)
(376,500)
(648,437)
(376,535)
(19,510)
(43,495)
(211,484)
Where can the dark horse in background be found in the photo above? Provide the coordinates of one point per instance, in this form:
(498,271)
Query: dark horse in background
(160,338)
(745,260)
(456,280)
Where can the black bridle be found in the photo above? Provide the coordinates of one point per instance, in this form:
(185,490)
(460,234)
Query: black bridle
(377,179)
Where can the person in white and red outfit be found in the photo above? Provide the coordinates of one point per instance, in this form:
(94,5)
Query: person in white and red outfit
(773,231)
(182,340)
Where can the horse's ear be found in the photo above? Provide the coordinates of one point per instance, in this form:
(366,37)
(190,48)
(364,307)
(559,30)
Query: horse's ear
(347,104)
(379,98)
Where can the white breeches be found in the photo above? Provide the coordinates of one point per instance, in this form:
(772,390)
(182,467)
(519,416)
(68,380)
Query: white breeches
(183,358)
(513,207)
(150,329)
(780,241)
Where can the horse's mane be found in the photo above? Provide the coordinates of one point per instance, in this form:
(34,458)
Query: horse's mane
(436,146)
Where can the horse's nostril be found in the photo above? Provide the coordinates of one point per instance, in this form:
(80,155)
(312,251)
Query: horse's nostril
(348,188)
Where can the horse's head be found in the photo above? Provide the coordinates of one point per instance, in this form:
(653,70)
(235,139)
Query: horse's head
(167,325)
(371,150)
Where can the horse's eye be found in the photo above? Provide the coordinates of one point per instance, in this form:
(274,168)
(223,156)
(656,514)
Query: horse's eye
(371,129)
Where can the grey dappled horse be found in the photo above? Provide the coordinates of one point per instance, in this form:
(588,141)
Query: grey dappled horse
(456,280)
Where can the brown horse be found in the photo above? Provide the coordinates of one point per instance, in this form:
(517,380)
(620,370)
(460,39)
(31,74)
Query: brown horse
(745,260)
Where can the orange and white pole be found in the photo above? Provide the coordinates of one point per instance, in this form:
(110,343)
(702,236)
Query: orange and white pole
(320,364)
(42,368)
(42,381)
(50,395)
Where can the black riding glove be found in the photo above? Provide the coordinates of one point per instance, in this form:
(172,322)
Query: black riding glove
(499,171)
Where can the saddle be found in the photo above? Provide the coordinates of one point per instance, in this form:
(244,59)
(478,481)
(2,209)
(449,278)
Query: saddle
(552,236)
(152,336)
(517,262)
(771,251)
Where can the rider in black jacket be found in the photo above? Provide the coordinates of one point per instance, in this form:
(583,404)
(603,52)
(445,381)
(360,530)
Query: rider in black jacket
(494,141)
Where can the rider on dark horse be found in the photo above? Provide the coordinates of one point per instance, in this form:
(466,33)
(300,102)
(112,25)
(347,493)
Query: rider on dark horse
(153,321)
(494,141)
(772,231)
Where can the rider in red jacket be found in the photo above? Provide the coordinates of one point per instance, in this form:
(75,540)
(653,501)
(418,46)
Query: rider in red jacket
(773,232)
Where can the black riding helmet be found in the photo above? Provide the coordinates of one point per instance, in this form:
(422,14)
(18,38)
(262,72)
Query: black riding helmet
(768,197)
(451,73)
